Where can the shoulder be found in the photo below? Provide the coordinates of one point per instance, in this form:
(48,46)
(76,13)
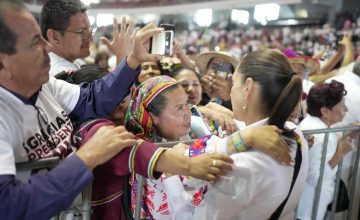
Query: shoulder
(87,129)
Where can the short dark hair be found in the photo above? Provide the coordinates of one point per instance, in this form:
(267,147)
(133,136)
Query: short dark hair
(7,36)
(56,14)
(158,104)
(281,89)
(324,95)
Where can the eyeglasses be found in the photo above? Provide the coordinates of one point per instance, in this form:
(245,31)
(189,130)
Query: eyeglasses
(84,33)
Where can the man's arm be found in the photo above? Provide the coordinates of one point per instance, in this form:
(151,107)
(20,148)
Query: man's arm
(44,195)
(101,97)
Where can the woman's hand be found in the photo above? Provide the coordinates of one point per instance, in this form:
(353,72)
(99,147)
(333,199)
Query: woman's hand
(268,140)
(310,139)
(222,86)
(179,149)
(352,134)
(209,166)
(345,145)
(222,117)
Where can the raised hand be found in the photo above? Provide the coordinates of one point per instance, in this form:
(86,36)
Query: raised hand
(123,40)
(140,52)
(221,86)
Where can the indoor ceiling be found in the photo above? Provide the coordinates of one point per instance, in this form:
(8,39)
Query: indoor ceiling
(130,3)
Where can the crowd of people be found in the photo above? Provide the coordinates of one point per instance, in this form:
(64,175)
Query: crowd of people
(103,119)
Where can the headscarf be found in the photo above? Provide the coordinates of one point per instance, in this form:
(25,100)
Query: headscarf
(138,120)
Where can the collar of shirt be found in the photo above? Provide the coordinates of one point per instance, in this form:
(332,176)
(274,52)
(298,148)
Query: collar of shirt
(241,124)
(27,101)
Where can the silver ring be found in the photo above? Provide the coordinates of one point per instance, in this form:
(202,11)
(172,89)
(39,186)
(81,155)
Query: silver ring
(213,163)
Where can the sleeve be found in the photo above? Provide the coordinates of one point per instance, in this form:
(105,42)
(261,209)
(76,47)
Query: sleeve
(7,160)
(101,97)
(236,190)
(315,153)
(140,158)
(178,197)
(44,195)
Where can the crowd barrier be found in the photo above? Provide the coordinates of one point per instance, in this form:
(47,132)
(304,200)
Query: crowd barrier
(79,212)
(354,192)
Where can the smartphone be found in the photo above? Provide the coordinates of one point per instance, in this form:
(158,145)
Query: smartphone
(162,43)
(223,70)
(198,125)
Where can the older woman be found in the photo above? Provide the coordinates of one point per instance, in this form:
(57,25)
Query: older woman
(158,112)
(190,81)
(265,91)
(326,107)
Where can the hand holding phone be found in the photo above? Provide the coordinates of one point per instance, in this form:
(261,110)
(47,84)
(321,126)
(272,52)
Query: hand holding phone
(223,70)
(198,125)
(162,43)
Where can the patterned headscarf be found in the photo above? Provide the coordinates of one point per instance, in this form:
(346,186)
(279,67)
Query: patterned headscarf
(138,120)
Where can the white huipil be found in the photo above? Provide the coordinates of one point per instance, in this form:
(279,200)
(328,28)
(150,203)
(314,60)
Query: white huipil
(254,189)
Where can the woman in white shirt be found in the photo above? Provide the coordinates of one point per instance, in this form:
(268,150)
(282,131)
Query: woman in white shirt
(265,91)
(326,106)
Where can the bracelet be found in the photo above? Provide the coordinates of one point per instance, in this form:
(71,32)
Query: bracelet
(236,141)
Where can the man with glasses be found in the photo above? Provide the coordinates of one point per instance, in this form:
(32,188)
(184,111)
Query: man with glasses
(65,25)
(35,111)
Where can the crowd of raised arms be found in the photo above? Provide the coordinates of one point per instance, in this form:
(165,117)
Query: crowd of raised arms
(101,107)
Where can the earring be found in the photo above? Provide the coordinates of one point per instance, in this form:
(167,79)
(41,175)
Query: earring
(244,106)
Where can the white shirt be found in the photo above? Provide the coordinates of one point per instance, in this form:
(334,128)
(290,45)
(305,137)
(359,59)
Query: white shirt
(19,121)
(254,189)
(58,64)
(306,201)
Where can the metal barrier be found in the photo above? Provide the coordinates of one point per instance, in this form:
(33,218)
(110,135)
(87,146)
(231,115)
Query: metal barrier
(352,213)
(51,162)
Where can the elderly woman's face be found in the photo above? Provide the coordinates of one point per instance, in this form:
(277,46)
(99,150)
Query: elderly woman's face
(337,113)
(148,70)
(191,84)
(174,121)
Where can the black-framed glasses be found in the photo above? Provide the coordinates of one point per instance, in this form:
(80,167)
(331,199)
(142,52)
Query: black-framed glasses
(84,33)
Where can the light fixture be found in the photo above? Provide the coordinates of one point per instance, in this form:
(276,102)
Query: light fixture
(104,19)
(266,12)
(240,16)
(89,2)
(203,17)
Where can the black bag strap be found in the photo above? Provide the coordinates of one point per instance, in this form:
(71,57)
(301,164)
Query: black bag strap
(298,160)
